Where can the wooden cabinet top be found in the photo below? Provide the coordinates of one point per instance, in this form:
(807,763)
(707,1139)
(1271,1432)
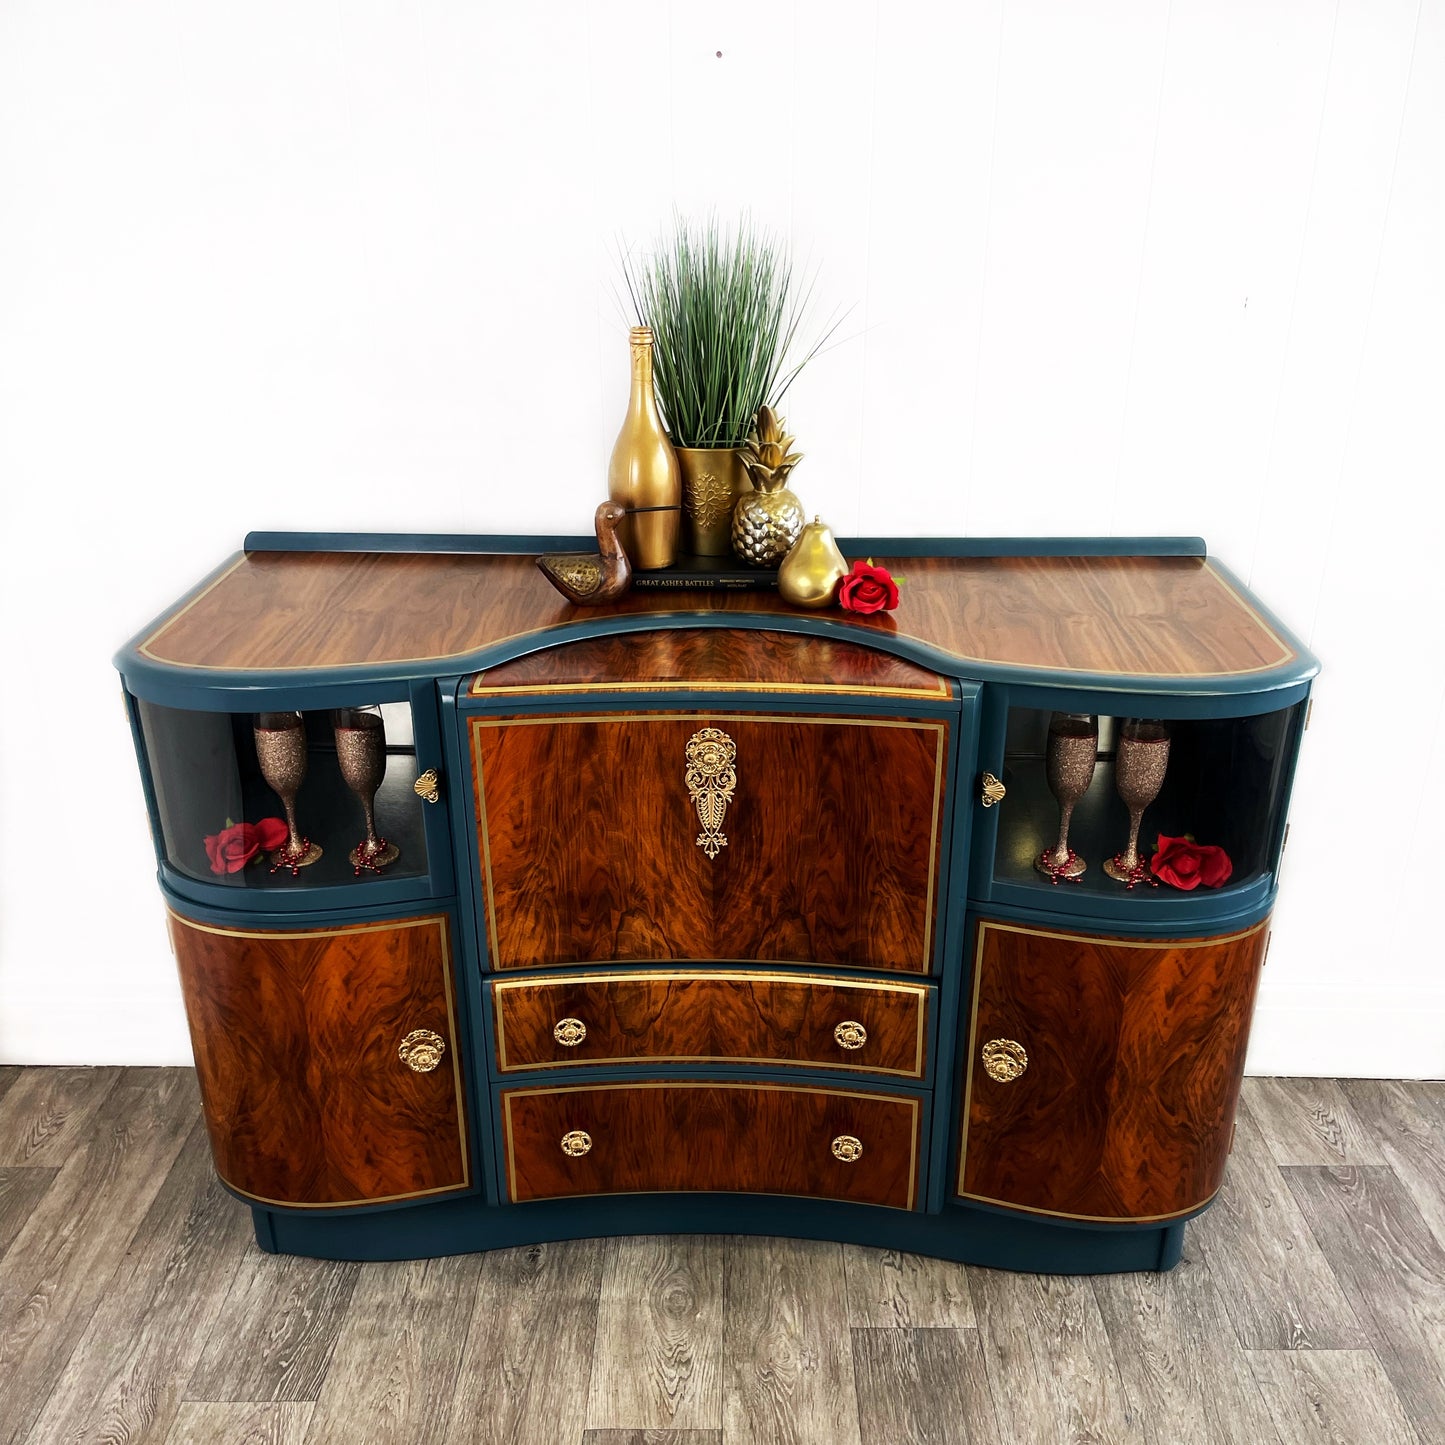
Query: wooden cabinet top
(1175,622)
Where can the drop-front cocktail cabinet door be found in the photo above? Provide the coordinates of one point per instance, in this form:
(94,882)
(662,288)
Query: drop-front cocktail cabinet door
(1102,1073)
(328,1058)
(761,837)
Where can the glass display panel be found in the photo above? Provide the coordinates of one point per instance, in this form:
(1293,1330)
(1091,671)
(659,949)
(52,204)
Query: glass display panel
(210,773)
(1221,780)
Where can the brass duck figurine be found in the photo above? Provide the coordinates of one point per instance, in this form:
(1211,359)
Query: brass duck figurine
(586,579)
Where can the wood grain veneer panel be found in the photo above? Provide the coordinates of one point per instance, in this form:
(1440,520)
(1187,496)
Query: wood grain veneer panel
(704,1017)
(756,1139)
(589,852)
(712,657)
(295,1037)
(1135,1054)
(1136,616)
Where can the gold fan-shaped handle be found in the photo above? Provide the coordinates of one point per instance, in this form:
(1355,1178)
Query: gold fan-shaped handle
(428,786)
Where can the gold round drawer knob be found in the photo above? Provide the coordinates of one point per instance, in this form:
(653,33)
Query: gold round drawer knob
(1004,1060)
(850,1034)
(421,1050)
(569,1032)
(575,1143)
(848,1148)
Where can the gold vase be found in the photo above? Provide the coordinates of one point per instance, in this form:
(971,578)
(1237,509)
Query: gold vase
(643,475)
(713,478)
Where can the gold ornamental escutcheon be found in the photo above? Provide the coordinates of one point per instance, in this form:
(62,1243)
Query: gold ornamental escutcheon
(848,1148)
(569,1032)
(850,1034)
(711,779)
(576,1142)
(1004,1060)
(421,1050)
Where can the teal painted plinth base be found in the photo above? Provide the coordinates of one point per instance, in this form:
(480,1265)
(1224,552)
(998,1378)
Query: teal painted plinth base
(960,1232)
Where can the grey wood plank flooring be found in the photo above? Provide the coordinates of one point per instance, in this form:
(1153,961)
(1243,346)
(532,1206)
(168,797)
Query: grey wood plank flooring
(124,1380)
(56,1271)
(528,1361)
(134,1306)
(396,1360)
(241,1423)
(1309,1121)
(660,1317)
(1323,1395)
(891,1290)
(923,1387)
(1393,1270)
(1051,1366)
(788,1359)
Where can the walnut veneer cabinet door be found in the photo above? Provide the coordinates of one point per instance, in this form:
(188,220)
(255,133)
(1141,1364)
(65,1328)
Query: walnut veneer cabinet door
(1103,1073)
(592,847)
(327,1059)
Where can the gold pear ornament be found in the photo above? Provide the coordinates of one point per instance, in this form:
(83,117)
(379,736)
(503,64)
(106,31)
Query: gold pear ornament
(810,573)
(767,520)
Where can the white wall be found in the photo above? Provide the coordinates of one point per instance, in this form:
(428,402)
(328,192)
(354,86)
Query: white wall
(1116,268)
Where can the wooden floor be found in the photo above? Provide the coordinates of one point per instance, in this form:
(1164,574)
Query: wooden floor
(134,1306)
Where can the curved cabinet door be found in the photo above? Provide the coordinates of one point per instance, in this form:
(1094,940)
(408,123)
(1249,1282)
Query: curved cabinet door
(1103,1073)
(298,1037)
(822,845)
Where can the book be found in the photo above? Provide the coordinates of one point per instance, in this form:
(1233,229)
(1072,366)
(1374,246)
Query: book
(707,574)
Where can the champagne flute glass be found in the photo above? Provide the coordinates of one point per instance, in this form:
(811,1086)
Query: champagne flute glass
(1140,762)
(361,751)
(281,751)
(1069,758)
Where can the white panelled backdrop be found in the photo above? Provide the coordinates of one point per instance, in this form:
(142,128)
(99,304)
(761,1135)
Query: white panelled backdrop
(1114,267)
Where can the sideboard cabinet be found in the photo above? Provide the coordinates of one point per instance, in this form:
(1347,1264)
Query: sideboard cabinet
(500,920)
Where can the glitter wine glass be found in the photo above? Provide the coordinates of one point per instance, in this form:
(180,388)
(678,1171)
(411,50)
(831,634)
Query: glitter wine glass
(361,751)
(1069,757)
(281,751)
(1140,761)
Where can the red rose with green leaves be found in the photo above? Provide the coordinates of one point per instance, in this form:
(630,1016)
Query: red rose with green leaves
(868,589)
(237,843)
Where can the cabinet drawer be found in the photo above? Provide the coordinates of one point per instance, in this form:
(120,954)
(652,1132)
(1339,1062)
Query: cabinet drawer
(822,845)
(697,1016)
(1103,1073)
(750,1138)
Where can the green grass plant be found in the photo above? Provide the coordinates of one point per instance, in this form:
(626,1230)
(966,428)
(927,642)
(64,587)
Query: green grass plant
(725,314)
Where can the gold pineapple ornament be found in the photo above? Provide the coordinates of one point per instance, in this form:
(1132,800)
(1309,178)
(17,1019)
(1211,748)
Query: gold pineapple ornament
(767,520)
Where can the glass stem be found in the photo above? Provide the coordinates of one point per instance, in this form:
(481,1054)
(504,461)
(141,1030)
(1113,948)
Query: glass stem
(1061,853)
(293,842)
(371,840)
(1130,860)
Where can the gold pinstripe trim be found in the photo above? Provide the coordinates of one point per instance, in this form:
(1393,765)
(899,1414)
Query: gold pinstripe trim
(441,920)
(942,691)
(915,1106)
(918,991)
(939,729)
(984,926)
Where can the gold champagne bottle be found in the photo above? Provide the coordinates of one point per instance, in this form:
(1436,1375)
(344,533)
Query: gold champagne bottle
(644,475)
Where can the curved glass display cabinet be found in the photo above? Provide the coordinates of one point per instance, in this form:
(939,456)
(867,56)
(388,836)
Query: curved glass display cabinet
(501,920)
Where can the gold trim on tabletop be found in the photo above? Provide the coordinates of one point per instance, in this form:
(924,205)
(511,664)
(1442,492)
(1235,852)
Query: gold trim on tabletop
(442,921)
(965,1119)
(937,726)
(822,689)
(915,1106)
(920,991)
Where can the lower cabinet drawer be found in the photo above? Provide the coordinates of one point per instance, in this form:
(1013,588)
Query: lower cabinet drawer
(700,1016)
(751,1138)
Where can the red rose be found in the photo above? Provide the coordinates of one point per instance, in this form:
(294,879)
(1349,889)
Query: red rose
(1183,863)
(235,845)
(868,589)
